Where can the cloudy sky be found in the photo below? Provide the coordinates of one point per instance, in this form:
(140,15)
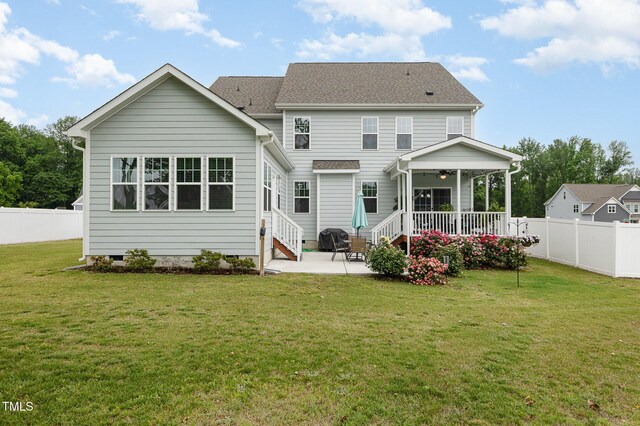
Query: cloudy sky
(543,68)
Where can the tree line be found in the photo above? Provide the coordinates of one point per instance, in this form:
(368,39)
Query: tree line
(546,167)
(39,167)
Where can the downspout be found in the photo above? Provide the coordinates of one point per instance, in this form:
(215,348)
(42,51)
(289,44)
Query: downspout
(74,144)
(407,191)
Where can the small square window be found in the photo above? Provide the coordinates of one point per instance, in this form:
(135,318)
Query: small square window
(611,208)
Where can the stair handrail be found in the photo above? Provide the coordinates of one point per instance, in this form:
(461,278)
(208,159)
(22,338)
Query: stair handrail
(292,237)
(390,227)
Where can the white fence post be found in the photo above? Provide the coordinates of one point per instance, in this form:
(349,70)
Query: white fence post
(546,238)
(616,229)
(576,221)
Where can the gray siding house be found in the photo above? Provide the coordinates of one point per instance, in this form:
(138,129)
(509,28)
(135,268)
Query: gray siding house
(174,167)
(595,202)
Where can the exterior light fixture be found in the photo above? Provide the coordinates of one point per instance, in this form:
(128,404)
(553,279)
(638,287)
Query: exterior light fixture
(443,174)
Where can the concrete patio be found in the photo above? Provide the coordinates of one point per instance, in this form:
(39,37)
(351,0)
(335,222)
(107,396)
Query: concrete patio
(318,262)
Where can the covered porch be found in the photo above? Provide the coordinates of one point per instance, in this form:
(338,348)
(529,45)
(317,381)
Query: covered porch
(435,190)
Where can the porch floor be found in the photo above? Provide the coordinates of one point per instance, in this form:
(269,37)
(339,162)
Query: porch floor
(319,262)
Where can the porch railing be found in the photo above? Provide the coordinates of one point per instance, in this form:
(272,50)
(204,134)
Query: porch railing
(470,222)
(287,231)
(390,227)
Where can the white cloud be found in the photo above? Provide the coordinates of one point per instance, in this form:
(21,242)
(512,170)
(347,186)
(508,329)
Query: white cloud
(277,42)
(466,67)
(19,48)
(17,116)
(56,2)
(184,15)
(94,70)
(6,92)
(604,32)
(111,35)
(363,45)
(399,25)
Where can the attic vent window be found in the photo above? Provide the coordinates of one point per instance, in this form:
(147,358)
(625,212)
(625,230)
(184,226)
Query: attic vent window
(429,93)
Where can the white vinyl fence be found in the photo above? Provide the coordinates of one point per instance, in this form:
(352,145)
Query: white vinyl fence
(606,248)
(31,225)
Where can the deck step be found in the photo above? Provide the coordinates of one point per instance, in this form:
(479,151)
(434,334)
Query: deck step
(401,239)
(291,255)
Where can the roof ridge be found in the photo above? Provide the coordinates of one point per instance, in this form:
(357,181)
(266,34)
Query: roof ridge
(369,62)
(251,76)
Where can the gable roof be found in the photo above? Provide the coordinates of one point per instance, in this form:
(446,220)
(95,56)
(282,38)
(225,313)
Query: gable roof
(82,127)
(373,83)
(598,194)
(601,202)
(256,95)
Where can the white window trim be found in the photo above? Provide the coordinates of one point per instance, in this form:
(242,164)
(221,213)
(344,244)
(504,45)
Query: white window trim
(111,183)
(294,133)
(208,184)
(377,197)
(447,133)
(611,210)
(144,185)
(362,133)
(176,183)
(267,166)
(396,138)
(294,196)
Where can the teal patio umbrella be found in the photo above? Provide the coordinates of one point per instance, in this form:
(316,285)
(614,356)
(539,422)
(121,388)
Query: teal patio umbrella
(359,219)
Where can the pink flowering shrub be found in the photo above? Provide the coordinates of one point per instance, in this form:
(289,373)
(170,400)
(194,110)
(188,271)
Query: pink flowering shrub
(478,251)
(426,270)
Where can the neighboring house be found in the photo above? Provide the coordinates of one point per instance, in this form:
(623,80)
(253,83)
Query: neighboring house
(174,167)
(78,204)
(595,202)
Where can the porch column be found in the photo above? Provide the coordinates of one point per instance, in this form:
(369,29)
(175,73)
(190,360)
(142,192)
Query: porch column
(507,199)
(458,206)
(472,180)
(409,189)
(399,193)
(486,193)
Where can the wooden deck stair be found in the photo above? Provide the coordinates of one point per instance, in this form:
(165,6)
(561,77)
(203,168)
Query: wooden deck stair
(401,239)
(290,255)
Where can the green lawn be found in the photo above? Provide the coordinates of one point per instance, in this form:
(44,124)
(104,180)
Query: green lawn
(127,348)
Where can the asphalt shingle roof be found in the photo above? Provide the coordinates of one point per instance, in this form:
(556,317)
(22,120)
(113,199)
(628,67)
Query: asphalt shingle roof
(256,94)
(336,165)
(372,83)
(596,193)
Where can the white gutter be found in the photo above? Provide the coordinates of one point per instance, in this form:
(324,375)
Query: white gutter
(517,170)
(74,144)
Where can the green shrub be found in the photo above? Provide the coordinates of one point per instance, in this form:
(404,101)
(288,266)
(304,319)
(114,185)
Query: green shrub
(207,261)
(456,263)
(240,265)
(138,260)
(446,207)
(386,259)
(101,264)
(426,271)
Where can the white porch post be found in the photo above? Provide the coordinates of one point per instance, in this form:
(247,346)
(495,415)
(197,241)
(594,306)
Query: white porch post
(471,195)
(507,199)
(409,210)
(486,193)
(399,193)
(458,206)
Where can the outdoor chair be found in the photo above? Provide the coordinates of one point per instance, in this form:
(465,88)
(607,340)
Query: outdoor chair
(341,247)
(358,246)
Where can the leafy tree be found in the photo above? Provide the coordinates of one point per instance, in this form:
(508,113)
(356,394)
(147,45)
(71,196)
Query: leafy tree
(10,185)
